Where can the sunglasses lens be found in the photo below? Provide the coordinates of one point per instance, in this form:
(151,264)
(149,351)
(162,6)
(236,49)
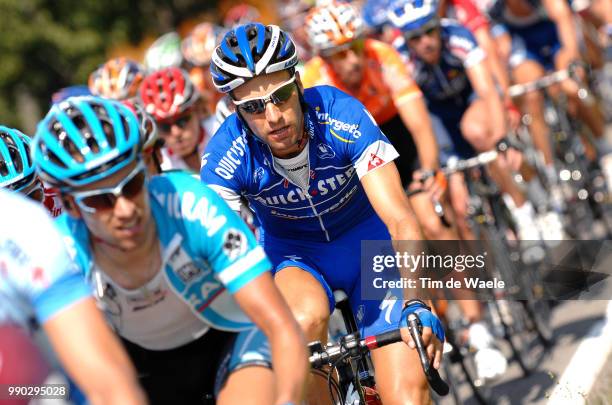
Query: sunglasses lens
(253,107)
(37,195)
(99,202)
(183,121)
(164,127)
(283,94)
(133,187)
(106,201)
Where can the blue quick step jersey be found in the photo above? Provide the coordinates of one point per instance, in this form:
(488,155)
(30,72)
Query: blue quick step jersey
(37,278)
(344,144)
(447,81)
(208,252)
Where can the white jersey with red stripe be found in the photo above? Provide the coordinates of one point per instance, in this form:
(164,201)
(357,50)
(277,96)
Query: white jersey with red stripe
(344,145)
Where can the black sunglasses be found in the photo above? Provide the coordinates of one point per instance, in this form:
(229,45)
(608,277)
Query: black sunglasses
(105,198)
(277,97)
(180,122)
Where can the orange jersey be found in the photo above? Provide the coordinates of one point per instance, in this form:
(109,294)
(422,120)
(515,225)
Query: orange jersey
(386,83)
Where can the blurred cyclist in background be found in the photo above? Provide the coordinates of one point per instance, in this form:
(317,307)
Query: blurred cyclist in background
(117,79)
(17,170)
(164,52)
(292,15)
(175,103)
(240,14)
(467,110)
(152,144)
(197,49)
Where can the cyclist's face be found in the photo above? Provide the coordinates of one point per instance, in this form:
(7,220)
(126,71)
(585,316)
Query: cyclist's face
(348,63)
(427,45)
(182,134)
(124,224)
(280,125)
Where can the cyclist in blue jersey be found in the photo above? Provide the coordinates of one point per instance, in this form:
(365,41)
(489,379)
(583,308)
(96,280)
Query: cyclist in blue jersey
(38,280)
(466,109)
(319,174)
(179,274)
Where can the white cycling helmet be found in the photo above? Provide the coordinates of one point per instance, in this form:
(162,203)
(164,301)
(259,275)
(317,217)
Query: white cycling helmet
(410,15)
(332,25)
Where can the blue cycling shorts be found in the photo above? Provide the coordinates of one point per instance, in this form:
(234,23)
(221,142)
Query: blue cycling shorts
(538,42)
(445,122)
(337,265)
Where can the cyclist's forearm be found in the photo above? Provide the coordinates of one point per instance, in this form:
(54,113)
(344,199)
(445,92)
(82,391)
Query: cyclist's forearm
(290,369)
(561,15)
(494,60)
(415,116)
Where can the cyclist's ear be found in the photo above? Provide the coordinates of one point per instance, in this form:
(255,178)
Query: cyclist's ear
(70,206)
(298,80)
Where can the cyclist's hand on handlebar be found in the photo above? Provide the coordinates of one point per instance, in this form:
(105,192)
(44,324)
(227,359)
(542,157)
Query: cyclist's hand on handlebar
(432,182)
(509,157)
(432,334)
(514,114)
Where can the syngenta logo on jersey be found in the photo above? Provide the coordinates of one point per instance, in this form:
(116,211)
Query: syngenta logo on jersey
(231,159)
(338,125)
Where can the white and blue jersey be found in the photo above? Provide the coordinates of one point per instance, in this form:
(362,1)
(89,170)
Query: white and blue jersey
(208,254)
(344,144)
(318,229)
(446,85)
(37,277)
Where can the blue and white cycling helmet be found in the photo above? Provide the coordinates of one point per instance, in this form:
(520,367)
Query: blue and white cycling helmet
(16,167)
(410,15)
(84,139)
(251,50)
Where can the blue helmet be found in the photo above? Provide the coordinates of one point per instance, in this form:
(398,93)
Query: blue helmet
(84,139)
(410,15)
(16,167)
(70,91)
(251,50)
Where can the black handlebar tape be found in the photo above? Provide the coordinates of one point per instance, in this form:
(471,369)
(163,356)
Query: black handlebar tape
(433,377)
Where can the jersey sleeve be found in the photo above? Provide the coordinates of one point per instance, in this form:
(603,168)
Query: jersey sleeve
(47,275)
(220,237)
(221,164)
(463,45)
(367,147)
(395,74)
(469,15)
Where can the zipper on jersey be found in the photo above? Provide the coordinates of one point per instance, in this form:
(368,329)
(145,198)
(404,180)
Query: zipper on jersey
(283,173)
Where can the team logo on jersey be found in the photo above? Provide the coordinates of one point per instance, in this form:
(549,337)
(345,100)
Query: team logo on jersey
(331,185)
(204,160)
(258,174)
(234,244)
(360,313)
(374,161)
(183,266)
(325,151)
(232,158)
(337,125)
